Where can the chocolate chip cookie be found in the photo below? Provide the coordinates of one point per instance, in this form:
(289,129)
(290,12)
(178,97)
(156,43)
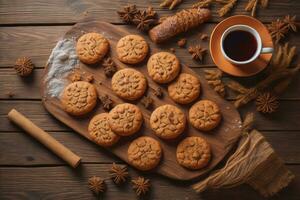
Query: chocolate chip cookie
(129,84)
(193,153)
(185,89)
(167,121)
(125,119)
(205,115)
(79,98)
(144,153)
(91,47)
(132,49)
(163,67)
(100,131)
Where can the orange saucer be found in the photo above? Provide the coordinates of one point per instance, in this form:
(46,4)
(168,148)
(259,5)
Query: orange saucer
(240,70)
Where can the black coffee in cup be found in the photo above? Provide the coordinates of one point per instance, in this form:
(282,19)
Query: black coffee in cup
(240,45)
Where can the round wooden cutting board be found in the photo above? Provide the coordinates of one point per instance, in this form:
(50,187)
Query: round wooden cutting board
(221,139)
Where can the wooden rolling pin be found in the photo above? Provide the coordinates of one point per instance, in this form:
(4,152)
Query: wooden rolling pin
(43,137)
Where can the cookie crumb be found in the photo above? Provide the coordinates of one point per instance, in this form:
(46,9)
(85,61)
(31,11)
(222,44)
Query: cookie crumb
(90,78)
(75,77)
(172,50)
(10,94)
(182,42)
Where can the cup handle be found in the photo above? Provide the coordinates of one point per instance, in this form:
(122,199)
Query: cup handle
(267,50)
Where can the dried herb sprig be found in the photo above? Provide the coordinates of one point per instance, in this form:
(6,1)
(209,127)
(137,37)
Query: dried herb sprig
(279,77)
(227,5)
(252,5)
(281,27)
(214,79)
(141,185)
(170,3)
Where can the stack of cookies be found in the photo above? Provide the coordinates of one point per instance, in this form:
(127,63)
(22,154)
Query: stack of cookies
(167,122)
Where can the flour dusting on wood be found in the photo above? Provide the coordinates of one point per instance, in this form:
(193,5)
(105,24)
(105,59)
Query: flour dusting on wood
(62,61)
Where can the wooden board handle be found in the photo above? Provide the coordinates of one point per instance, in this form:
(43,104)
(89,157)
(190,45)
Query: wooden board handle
(43,137)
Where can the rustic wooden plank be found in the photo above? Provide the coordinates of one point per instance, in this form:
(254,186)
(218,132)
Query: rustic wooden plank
(65,11)
(38,41)
(65,183)
(287,117)
(29,88)
(17,148)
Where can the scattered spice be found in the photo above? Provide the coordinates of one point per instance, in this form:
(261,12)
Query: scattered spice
(10,94)
(147,101)
(170,3)
(127,13)
(281,27)
(75,76)
(203,36)
(24,66)
(118,173)
(252,5)
(172,50)
(141,185)
(96,184)
(145,19)
(182,42)
(279,77)
(106,102)
(197,52)
(110,67)
(90,78)
(213,78)
(267,102)
(158,92)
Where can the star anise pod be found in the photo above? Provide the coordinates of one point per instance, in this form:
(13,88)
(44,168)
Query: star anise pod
(96,184)
(280,27)
(197,52)
(118,173)
(106,102)
(145,19)
(267,102)
(158,92)
(147,101)
(128,13)
(141,185)
(23,66)
(110,67)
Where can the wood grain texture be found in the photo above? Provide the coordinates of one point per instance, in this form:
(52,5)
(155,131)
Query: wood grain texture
(67,11)
(24,151)
(221,139)
(63,183)
(286,119)
(29,88)
(38,41)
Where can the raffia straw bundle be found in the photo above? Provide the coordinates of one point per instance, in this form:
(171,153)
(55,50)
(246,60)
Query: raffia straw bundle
(254,162)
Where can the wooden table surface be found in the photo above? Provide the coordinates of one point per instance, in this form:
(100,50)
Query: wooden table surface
(29,171)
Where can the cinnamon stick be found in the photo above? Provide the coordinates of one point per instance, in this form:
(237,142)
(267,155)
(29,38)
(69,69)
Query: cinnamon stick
(43,137)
